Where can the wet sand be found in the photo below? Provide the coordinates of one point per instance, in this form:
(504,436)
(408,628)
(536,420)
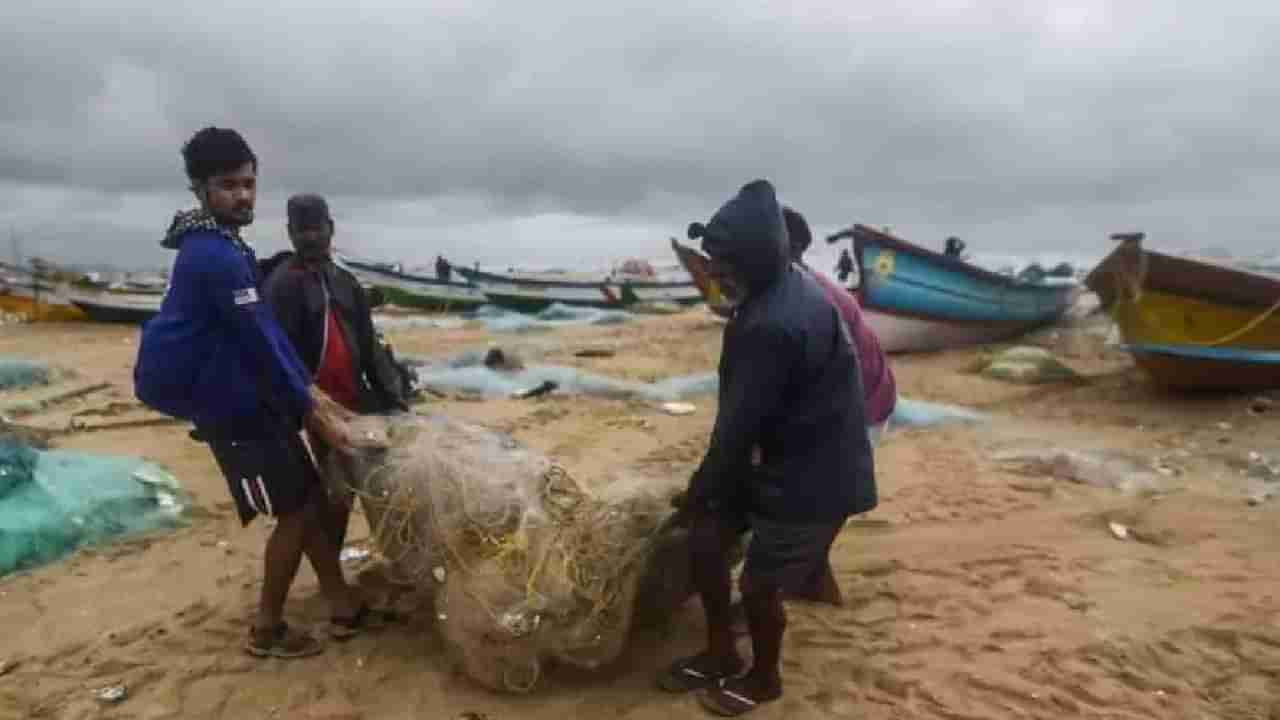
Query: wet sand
(974,592)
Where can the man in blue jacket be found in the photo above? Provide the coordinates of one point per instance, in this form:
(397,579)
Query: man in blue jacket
(215,355)
(790,385)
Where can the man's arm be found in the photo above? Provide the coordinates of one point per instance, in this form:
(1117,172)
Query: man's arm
(280,374)
(755,391)
(384,380)
(285,296)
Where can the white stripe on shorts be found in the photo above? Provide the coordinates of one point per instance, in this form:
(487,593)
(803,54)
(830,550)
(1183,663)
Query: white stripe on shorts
(248,494)
(266,498)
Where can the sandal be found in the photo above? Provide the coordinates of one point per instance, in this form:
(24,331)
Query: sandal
(730,699)
(366,618)
(281,641)
(686,675)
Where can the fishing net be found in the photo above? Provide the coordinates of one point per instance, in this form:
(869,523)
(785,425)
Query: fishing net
(52,502)
(556,315)
(527,562)
(1028,366)
(468,374)
(16,373)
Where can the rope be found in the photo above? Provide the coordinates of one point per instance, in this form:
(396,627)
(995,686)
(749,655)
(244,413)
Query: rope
(1248,327)
(1135,280)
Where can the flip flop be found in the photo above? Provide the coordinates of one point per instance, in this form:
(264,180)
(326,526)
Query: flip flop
(281,641)
(683,677)
(730,700)
(366,618)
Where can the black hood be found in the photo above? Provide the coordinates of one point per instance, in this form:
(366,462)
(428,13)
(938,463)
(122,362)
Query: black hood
(749,234)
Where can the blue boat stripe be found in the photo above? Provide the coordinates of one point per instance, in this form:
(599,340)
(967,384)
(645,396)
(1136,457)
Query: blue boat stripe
(1263,357)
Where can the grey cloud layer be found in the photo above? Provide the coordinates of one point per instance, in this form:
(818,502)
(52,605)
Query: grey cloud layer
(984,118)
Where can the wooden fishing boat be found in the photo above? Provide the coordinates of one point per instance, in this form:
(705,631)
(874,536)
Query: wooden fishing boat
(919,300)
(34,298)
(697,265)
(415,291)
(1192,324)
(117,306)
(531,294)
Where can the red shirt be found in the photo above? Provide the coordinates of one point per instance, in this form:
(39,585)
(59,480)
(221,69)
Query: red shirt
(336,376)
(878,384)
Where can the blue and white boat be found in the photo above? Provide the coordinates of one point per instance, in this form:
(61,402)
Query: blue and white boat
(524,293)
(919,300)
(412,290)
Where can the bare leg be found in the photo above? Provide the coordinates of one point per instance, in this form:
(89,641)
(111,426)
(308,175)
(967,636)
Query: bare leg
(323,555)
(709,541)
(280,562)
(768,622)
(338,516)
(338,500)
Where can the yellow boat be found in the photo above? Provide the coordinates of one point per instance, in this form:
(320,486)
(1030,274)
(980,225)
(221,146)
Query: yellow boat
(1192,324)
(37,302)
(698,266)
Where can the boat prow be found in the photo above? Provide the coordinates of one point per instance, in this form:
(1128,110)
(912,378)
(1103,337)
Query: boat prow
(698,267)
(1192,324)
(919,300)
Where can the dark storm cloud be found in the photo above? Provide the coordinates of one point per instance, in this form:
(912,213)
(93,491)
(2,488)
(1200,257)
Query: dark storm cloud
(1020,123)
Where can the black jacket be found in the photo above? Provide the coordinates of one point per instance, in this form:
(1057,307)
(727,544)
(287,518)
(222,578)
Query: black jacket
(298,294)
(789,382)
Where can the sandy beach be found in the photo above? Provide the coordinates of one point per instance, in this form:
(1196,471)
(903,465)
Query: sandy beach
(976,591)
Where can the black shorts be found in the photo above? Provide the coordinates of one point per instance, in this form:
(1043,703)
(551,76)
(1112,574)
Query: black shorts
(270,473)
(789,555)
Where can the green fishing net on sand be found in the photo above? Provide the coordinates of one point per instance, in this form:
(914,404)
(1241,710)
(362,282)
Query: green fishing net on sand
(16,373)
(55,501)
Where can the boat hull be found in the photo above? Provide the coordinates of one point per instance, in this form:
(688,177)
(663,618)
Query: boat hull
(533,295)
(119,308)
(905,333)
(928,301)
(417,292)
(40,310)
(1175,368)
(1191,324)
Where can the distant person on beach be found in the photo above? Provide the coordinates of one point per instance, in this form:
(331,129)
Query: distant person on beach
(444,271)
(216,356)
(845,266)
(325,314)
(789,384)
(955,247)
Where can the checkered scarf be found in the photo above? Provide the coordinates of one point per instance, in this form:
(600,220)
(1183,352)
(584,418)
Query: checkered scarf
(185,221)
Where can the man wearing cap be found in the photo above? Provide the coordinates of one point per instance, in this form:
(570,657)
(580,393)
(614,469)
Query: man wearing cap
(324,312)
(789,384)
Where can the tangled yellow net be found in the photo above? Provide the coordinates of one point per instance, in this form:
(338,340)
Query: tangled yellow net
(527,562)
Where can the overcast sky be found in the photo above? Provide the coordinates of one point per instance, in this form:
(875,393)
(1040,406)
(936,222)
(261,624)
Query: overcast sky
(577,132)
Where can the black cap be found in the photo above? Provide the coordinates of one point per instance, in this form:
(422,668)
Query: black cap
(308,210)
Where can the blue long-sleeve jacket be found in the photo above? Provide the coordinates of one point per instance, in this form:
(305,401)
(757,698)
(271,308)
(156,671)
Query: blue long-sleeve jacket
(215,354)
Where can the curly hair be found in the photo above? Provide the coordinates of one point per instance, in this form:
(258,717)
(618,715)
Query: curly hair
(215,151)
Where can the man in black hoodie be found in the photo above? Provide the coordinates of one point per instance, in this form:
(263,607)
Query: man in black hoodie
(789,384)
